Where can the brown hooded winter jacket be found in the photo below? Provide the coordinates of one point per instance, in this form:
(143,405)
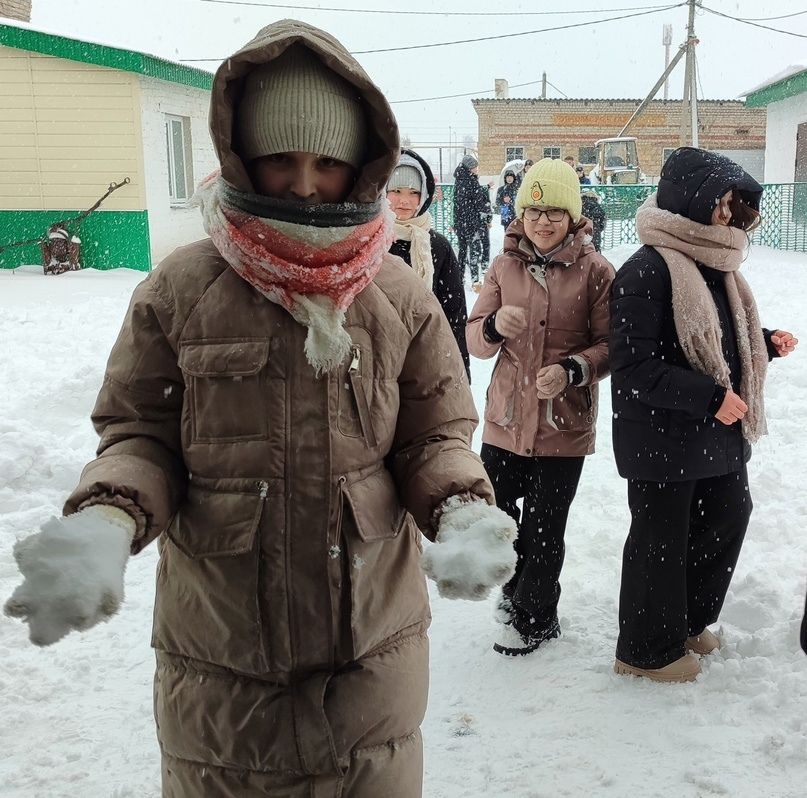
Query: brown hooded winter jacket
(566,316)
(291,611)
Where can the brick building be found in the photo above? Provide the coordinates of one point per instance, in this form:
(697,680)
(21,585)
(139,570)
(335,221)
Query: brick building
(537,128)
(16,9)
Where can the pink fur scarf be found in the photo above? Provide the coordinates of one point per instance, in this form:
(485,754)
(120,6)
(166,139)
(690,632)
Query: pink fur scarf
(315,273)
(681,242)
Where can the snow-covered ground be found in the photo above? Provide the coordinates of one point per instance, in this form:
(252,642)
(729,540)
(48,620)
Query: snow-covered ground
(77,720)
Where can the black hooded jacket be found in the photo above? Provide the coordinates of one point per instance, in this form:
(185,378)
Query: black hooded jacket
(470,207)
(664,425)
(447,283)
(693,181)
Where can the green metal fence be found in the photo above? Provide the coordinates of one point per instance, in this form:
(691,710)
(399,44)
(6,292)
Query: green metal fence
(784,217)
(442,211)
(783,209)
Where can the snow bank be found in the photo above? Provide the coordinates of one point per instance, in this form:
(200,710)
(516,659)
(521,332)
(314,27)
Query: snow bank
(556,723)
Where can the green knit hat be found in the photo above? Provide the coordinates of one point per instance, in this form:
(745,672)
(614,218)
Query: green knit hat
(296,103)
(552,183)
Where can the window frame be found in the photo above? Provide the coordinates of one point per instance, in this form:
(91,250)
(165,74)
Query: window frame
(550,150)
(592,162)
(519,147)
(177,182)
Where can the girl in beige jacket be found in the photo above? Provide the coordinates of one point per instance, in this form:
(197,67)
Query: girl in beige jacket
(543,311)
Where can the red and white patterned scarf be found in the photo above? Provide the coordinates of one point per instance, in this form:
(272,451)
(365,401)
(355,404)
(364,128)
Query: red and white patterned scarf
(315,273)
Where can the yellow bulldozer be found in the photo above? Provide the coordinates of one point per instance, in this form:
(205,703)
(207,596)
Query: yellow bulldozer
(617,162)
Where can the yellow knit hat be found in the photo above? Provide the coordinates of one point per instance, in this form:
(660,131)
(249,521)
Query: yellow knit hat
(552,183)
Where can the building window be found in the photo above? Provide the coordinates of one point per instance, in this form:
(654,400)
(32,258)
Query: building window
(513,153)
(587,155)
(551,152)
(666,153)
(180,160)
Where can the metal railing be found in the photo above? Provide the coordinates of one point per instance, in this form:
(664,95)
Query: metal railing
(783,209)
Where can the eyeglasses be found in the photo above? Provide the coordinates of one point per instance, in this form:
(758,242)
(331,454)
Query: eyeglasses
(553,214)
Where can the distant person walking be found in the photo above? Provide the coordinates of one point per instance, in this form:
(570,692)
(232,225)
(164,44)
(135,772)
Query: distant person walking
(592,209)
(506,199)
(470,214)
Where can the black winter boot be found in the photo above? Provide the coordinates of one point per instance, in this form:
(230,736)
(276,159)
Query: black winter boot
(518,639)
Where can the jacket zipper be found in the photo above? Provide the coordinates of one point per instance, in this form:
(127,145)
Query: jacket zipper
(337,584)
(360,397)
(334,550)
(263,492)
(510,409)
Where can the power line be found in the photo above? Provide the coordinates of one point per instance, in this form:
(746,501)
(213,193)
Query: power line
(485,38)
(475,93)
(755,24)
(781,16)
(520,33)
(431,13)
(464,94)
(557,89)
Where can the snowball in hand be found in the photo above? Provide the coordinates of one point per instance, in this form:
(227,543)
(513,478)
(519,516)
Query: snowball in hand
(73,571)
(474,550)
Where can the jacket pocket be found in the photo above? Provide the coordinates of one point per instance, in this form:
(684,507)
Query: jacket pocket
(503,396)
(226,390)
(387,586)
(575,409)
(354,416)
(208,585)
(374,503)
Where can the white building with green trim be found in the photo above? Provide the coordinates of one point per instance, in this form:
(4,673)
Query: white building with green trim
(76,116)
(785,96)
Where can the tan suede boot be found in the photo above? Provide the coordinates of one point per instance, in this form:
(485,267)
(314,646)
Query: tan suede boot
(704,643)
(684,669)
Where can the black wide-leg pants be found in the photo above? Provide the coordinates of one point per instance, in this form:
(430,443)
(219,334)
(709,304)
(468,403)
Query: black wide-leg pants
(678,561)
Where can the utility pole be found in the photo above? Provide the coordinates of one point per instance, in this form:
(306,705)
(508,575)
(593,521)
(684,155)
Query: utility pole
(543,86)
(693,98)
(663,79)
(690,101)
(666,40)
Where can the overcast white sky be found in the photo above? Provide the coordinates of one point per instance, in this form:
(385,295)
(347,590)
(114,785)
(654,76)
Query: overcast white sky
(613,59)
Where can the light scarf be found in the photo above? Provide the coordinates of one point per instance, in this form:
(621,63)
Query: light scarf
(416,230)
(314,272)
(682,242)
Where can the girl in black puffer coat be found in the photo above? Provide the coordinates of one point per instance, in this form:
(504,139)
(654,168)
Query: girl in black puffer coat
(410,192)
(688,361)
